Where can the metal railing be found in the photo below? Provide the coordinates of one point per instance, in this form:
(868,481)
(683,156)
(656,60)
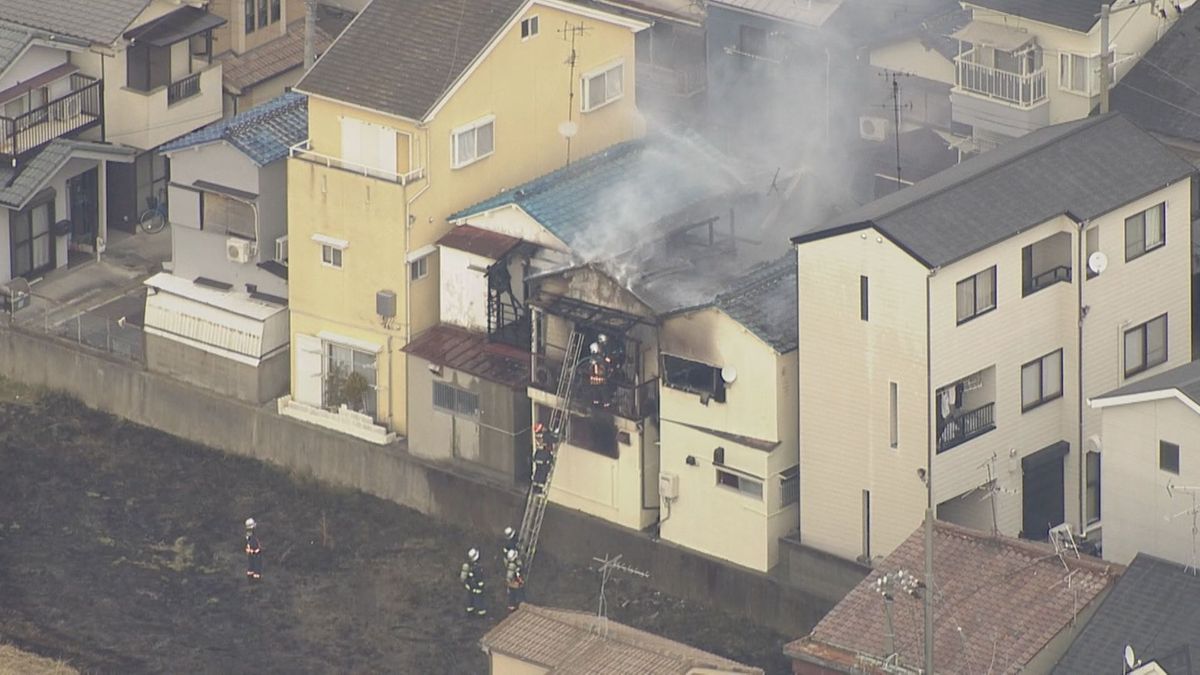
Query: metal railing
(675,81)
(1050,277)
(626,397)
(303,151)
(960,428)
(1024,91)
(77,110)
(185,88)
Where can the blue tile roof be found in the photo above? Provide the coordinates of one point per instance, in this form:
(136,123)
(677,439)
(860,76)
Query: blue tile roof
(628,187)
(263,133)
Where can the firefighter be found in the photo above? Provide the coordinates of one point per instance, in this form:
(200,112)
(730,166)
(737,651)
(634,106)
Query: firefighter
(471,577)
(543,455)
(614,353)
(598,375)
(510,544)
(254,566)
(514,579)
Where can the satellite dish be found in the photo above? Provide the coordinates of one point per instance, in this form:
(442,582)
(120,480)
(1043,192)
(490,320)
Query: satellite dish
(568,129)
(1130,660)
(1097,262)
(728,374)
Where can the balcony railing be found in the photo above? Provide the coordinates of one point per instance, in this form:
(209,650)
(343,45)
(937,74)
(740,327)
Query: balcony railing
(1023,91)
(959,429)
(681,82)
(625,399)
(185,88)
(76,111)
(303,151)
(1048,278)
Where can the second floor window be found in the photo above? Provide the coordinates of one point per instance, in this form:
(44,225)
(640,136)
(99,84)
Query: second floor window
(1076,74)
(331,255)
(419,268)
(1041,380)
(602,88)
(976,294)
(529,27)
(474,142)
(1145,231)
(1146,345)
(248,15)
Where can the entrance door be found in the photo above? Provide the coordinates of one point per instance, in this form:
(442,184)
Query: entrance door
(31,241)
(83,205)
(1042,492)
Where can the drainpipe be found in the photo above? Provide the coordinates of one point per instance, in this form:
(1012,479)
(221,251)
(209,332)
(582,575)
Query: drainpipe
(930,421)
(1080,277)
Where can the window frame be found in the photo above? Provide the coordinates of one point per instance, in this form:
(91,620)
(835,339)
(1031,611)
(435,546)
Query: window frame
(1164,446)
(1162,234)
(1042,397)
(248,16)
(1091,245)
(264,16)
(864,298)
(471,127)
(1145,364)
(333,259)
(530,27)
(974,281)
(1067,64)
(418,268)
(735,480)
(276,10)
(894,415)
(464,403)
(1092,486)
(586,86)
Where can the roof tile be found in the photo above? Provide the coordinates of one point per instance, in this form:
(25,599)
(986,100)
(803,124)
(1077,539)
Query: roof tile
(100,21)
(264,133)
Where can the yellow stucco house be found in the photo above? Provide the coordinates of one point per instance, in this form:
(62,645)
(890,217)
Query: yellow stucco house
(416,111)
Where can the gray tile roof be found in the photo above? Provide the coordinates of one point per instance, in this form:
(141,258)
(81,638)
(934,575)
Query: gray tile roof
(765,302)
(12,42)
(400,56)
(263,133)
(18,188)
(1154,608)
(1185,378)
(99,21)
(1076,15)
(1162,91)
(1085,168)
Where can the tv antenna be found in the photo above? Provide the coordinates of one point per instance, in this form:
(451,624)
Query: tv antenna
(887,586)
(1194,512)
(990,488)
(569,128)
(894,77)
(607,567)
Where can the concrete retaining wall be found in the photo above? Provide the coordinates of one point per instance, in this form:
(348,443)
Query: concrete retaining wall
(790,605)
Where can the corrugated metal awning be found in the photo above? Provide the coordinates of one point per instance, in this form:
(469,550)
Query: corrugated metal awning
(993,35)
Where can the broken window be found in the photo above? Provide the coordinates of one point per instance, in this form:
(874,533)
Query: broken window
(597,432)
(693,376)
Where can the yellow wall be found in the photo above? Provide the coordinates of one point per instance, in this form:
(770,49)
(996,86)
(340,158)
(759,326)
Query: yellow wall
(507,665)
(524,85)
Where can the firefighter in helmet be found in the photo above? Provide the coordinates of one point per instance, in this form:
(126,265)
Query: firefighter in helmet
(598,375)
(514,579)
(254,565)
(471,577)
(509,544)
(543,455)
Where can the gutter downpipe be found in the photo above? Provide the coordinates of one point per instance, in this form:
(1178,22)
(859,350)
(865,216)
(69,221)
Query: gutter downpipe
(409,219)
(1080,278)
(930,420)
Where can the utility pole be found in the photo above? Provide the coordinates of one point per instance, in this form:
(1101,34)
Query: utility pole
(1106,48)
(310,33)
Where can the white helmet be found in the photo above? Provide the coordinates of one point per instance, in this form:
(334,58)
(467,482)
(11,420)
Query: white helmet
(508,532)
(602,339)
(594,348)
(473,555)
(250,524)
(511,555)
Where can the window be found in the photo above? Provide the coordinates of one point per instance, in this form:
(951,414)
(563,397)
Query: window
(1146,345)
(224,215)
(752,41)
(1145,231)
(864,312)
(262,14)
(789,486)
(695,377)
(276,10)
(866,525)
(748,486)
(331,255)
(1093,487)
(1041,380)
(473,142)
(529,28)
(1093,246)
(419,268)
(976,295)
(1076,74)
(349,379)
(893,418)
(1168,457)
(602,88)
(249,16)
(454,400)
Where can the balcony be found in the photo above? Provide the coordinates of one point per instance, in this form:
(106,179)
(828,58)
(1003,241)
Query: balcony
(626,397)
(962,427)
(303,151)
(182,89)
(76,111)
(1046,263)
(1021,90)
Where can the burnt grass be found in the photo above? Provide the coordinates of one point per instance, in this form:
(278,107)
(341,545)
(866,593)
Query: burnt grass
(121,551)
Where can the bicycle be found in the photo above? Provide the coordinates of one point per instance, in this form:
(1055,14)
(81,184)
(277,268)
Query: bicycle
(154,218)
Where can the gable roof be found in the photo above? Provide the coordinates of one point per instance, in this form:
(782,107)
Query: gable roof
(13,40)
(999,601)
(1076,15)
(18,187)
(98,21)
(1183,379)
(263,133)
(1154,608)
(812,14)
(574,643)
(765,303)
(1084,168)
(1162,90)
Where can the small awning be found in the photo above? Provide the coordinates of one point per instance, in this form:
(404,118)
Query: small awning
(993,35)
(177,26)
(242,195)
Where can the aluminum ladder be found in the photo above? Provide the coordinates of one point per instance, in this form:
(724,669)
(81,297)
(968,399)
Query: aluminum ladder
(535,502)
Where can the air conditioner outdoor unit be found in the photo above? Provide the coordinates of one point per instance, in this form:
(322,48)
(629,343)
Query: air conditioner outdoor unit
(239,250)
(873,128)
(281,249)
(668,485)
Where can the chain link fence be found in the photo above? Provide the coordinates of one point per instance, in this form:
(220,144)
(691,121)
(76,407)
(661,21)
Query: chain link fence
(99,332)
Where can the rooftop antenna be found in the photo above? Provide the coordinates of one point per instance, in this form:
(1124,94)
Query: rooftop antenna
(895,76)
(991,488)
(1194,512)
(607,567)
(569,128)
(887,586)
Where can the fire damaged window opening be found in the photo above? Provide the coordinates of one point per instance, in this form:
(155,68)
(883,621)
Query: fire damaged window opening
(695,377)
(596,433)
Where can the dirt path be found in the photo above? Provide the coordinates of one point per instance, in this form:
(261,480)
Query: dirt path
(120,551)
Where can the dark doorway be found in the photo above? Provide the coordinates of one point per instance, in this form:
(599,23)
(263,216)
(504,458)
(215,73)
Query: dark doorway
(83,208)
(122,196)
(30,238)
(1042,493)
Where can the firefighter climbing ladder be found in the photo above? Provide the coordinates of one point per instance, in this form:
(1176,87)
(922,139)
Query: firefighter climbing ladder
(535,503)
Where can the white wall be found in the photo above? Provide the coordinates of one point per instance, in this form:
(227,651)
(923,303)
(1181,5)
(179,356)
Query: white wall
(464,288)
(514,222)
(35,61)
